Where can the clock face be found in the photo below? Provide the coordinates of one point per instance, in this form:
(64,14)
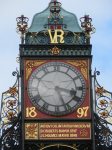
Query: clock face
(56,88)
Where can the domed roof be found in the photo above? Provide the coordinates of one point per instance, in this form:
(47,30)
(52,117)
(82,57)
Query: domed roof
(40,19)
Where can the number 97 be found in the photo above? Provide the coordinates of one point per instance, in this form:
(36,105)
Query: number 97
(82,112)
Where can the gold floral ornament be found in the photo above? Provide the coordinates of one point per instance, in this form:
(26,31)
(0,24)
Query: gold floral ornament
(5,120)
(11,103)
(30,64)
(13,91)
(104,114)
(82,64)
(83,132)
(55,51)
(31,131)
(100,91)
(11,114)
(103,103)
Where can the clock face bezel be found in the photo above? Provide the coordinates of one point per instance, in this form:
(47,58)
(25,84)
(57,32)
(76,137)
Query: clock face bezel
(57,113)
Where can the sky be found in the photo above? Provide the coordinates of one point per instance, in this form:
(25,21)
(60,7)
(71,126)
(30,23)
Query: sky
(99,10)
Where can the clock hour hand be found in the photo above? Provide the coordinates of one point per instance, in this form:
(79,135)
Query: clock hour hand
(72,91)
(61,98)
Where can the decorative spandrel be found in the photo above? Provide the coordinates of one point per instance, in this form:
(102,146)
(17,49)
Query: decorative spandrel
(103,116)
(103,134)
(103,103)
(10,117)
(12,135)
(10,105)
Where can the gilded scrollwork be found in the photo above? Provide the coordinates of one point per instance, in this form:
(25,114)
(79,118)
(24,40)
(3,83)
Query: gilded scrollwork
(9,105)
(82,64)
(76,38)
(103,99)
(30,64)
(35,38)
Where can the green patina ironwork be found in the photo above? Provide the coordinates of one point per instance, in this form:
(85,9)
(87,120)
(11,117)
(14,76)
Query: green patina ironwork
(40,19)
(41,33)
(41,22)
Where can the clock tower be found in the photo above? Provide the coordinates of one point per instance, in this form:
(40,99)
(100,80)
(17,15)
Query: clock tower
(50,106)
(56,86)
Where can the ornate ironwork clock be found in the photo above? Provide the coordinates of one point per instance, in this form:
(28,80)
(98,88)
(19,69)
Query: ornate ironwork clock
(56,88)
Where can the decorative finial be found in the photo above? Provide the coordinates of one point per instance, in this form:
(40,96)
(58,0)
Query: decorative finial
(87,26)
(22,26)
(55,7)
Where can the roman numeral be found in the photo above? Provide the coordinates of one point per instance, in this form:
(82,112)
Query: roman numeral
(68,107)
(56,68)
(37,98)
(35,77)
(57,109)
(77,99)
(45,106)
(79,88)
(45,70)
(77,77)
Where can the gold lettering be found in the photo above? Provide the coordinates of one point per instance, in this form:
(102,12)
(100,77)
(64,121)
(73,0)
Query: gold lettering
(27,112)
(82,112)
(73,130)
(64,130)
(86,109)
(54,39)
(63,135)
(73,135)
(41,131)
(48,135)
(30,112)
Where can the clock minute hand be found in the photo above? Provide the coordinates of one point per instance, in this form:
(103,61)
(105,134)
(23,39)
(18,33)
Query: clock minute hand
(72,92)
(58,91)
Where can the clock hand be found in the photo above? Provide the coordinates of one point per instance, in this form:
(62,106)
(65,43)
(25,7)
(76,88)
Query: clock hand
(72,91)
(61,98)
